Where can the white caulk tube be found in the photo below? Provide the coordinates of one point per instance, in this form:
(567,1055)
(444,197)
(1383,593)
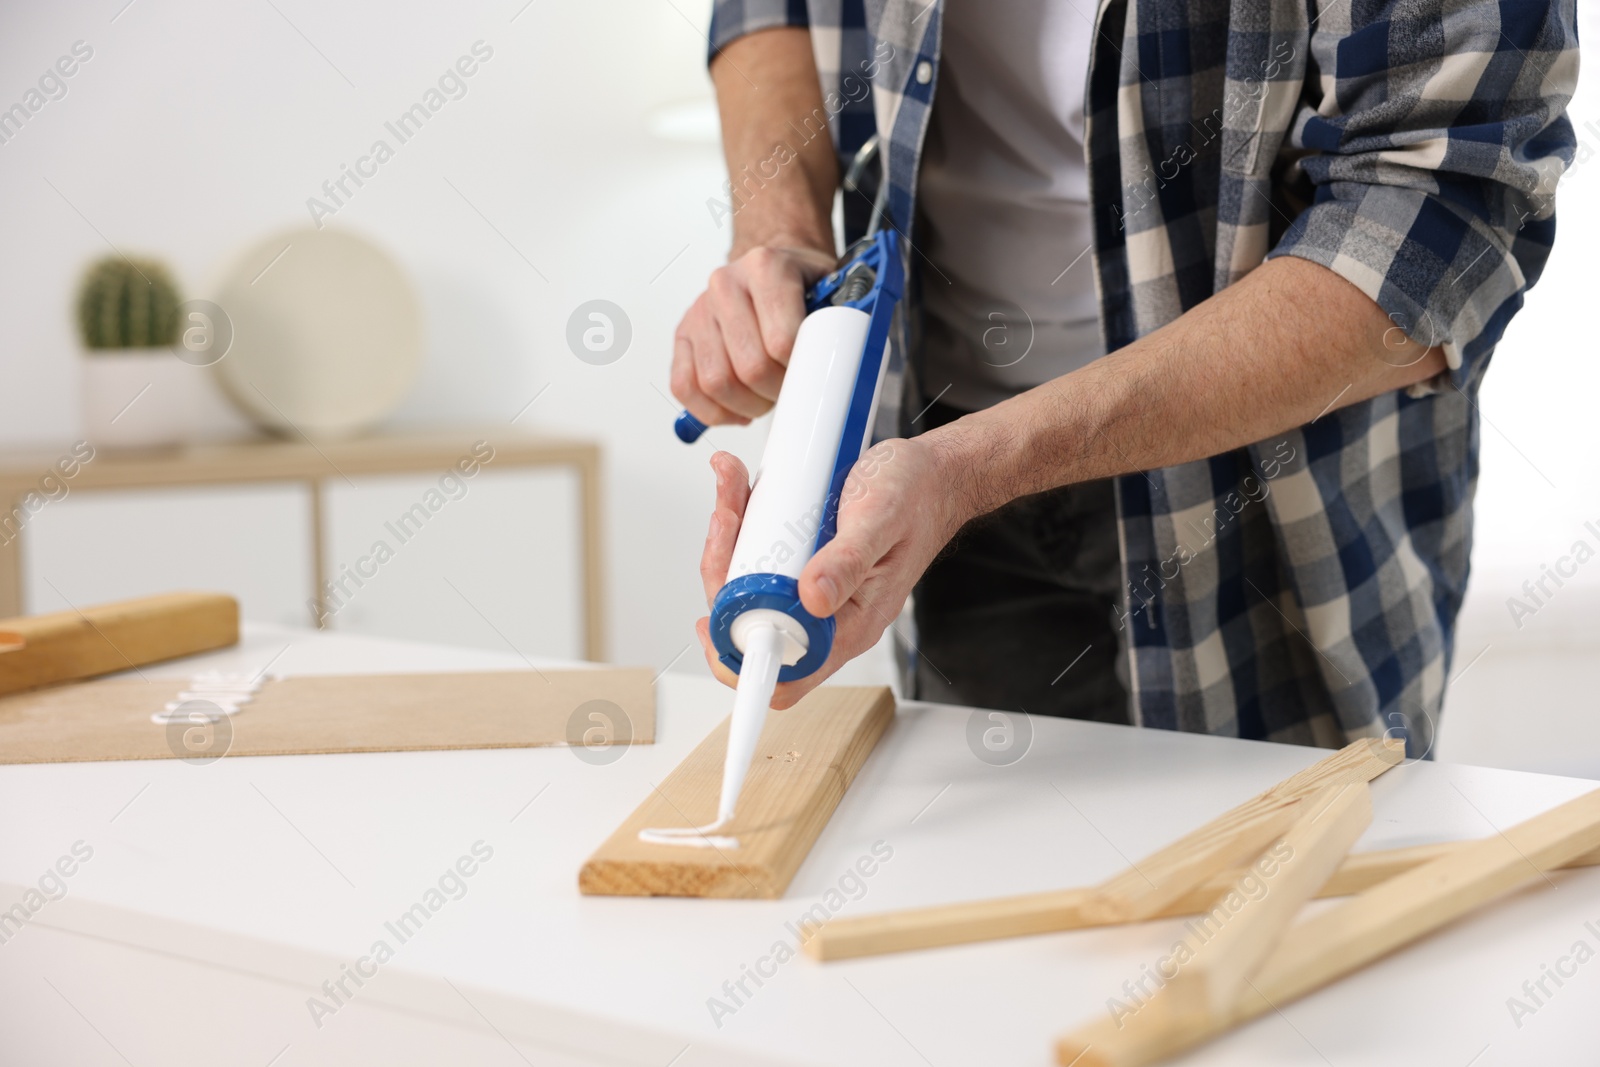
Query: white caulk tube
(794,495)
(820,425)
(779,531)
(758,611)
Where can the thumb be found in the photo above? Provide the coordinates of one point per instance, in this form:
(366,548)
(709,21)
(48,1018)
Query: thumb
(835,573)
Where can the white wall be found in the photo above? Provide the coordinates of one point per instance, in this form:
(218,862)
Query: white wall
(1524,689)
(197,128)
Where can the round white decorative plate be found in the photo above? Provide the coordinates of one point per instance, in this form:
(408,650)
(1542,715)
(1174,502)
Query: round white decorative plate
(327,334)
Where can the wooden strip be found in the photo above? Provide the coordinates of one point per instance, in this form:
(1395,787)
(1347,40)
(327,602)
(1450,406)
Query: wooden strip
(1058,910)
(1147,887)
(1258,908)
(847,938)
(594,569)
(71,645)
(317,602)
(110,720)
(10,548)
(806,759)
(1079,907)
(1366,927)
(1363,870)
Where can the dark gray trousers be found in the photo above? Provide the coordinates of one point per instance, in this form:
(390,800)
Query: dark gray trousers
(1019,612)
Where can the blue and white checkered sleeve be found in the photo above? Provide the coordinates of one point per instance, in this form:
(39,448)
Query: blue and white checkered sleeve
(1435,149)
(732,19)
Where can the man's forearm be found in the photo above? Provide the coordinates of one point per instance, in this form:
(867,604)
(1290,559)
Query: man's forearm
(775,138)
(1272,352)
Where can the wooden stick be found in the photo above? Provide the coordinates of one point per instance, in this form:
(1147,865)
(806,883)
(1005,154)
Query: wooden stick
(1156,881)
(1058,910)
(1144,889)
(71,645)
(1256,910)
(1364,928)
(1167,883)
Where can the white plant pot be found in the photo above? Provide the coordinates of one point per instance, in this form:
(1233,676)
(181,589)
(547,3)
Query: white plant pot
(139,397)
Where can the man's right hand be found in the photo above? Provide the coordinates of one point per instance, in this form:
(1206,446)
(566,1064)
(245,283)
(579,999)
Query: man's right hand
(733,345)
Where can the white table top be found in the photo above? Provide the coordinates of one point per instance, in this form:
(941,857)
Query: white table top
(318,852)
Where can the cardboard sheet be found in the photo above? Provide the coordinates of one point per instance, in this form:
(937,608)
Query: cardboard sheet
(111,720)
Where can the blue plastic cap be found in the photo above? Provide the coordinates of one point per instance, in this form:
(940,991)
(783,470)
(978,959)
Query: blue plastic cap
(688,428)
(780,593)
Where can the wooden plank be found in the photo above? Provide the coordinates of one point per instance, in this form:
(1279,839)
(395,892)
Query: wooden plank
(110,720)
(1251,917)
(1147,887)
(807,757)
(1364,928)
(71,645)
(1058,910)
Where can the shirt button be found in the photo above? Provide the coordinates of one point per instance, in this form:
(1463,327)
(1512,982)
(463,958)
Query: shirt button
(924,72)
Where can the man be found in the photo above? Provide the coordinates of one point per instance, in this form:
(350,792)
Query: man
(1298,229)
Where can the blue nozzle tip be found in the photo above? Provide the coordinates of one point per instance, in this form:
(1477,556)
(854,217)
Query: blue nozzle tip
(688,428)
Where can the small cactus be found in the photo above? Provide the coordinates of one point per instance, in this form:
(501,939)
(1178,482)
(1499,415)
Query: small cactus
(127,303)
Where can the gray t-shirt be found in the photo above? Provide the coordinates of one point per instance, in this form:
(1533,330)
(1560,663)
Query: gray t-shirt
(1009,299)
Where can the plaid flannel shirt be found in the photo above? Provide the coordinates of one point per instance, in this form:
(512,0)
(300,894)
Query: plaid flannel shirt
(1302,589)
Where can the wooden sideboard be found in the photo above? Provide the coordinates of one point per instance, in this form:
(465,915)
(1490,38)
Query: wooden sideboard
(27,491)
